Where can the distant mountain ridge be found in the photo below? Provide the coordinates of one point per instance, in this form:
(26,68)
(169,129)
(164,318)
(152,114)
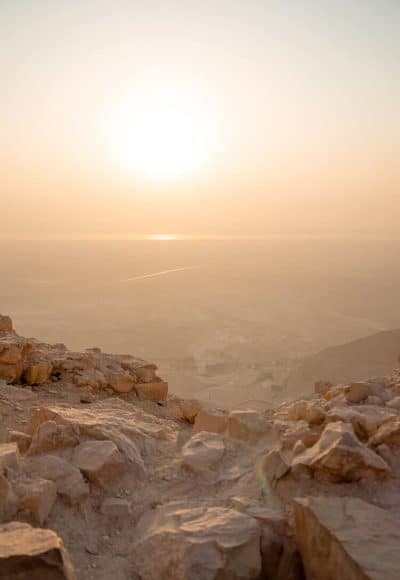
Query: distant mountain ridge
(370,356)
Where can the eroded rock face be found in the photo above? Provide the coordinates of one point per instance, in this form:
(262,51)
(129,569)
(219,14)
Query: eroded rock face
(33,554)
(99,461)
(206,543)
(49,435)
(208,419)
(203,451)
(346,538)
(340,456)
(247,425)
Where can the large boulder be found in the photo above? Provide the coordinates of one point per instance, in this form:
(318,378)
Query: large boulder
(36,370)
(208,419)
(36,495)
(49,435)
(155,391)
(388,433)
(340,456)
(206,543)
(9,457)
(99,461)
(70,483)
(33,554)
(247,425)
(13,351)
(203,451)
(346,538)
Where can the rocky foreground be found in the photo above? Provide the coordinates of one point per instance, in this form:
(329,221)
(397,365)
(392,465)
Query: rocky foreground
(103,475)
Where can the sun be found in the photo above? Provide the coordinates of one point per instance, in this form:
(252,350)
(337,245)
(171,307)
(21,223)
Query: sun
(164,137)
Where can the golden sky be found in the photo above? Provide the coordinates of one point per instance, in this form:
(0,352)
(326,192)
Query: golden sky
(226,117)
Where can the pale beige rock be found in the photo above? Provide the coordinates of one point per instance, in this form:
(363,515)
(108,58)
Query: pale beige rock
(190,409)
(36,495)
(13,350)
(37,371)
(68,479)
(92,378)
(9,457)
(127,426)
(203,451)
(214,420)
(6,324)
(145,374)
(32,554)
(346,538)
(114,507)
(275,465)
(359,391)
(99,461)
(388,433)
(156,391)
(49,435)
(309,411)
(339,456)
(23,440)
(394,403)
(300,431)
(8,500)
(247,425)
(121,381)
(197,542)
(373,400)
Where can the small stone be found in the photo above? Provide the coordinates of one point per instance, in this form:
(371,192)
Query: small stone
(115,507)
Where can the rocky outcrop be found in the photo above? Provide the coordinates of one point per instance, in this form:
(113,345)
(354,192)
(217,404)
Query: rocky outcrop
(35,363)
(346,538)
(197,542)
(33,554)
(203,451)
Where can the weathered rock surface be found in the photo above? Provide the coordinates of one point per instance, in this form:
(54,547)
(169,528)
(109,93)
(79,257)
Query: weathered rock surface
(340,456)
(99,461)
(203,451)
(208,419)
(207,543)
(247,425)
(33,554)
(346,538)
(36,495)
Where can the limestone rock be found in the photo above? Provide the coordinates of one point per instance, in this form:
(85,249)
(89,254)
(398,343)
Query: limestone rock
(6,324)
(322,387)
(339,456)
(156,391)
(9,457)
(36,495)
(23,440)
(274,465)
(203,451)
(49,435)
(99,461)
(8,500)
(206,543)
(69,481)
(32,554)
(37,371)
(13,350)
(247,425)
(214,420)
(388,433)
(190,409)
(121,381)
(347,538)
(310,411)
(394,403)
(300,431)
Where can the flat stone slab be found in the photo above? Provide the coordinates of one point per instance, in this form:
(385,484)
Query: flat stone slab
(346,538)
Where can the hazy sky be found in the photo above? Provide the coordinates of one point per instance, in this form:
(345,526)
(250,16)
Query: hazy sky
(208,116)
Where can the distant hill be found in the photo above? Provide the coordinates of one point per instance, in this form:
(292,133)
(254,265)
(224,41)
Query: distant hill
(373,355)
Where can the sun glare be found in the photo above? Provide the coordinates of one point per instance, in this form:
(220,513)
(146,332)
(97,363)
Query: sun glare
(163,138)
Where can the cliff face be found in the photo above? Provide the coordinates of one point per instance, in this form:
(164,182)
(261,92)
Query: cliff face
(130,482)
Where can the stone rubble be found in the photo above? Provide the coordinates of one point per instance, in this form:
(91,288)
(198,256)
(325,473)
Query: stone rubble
(143,485)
